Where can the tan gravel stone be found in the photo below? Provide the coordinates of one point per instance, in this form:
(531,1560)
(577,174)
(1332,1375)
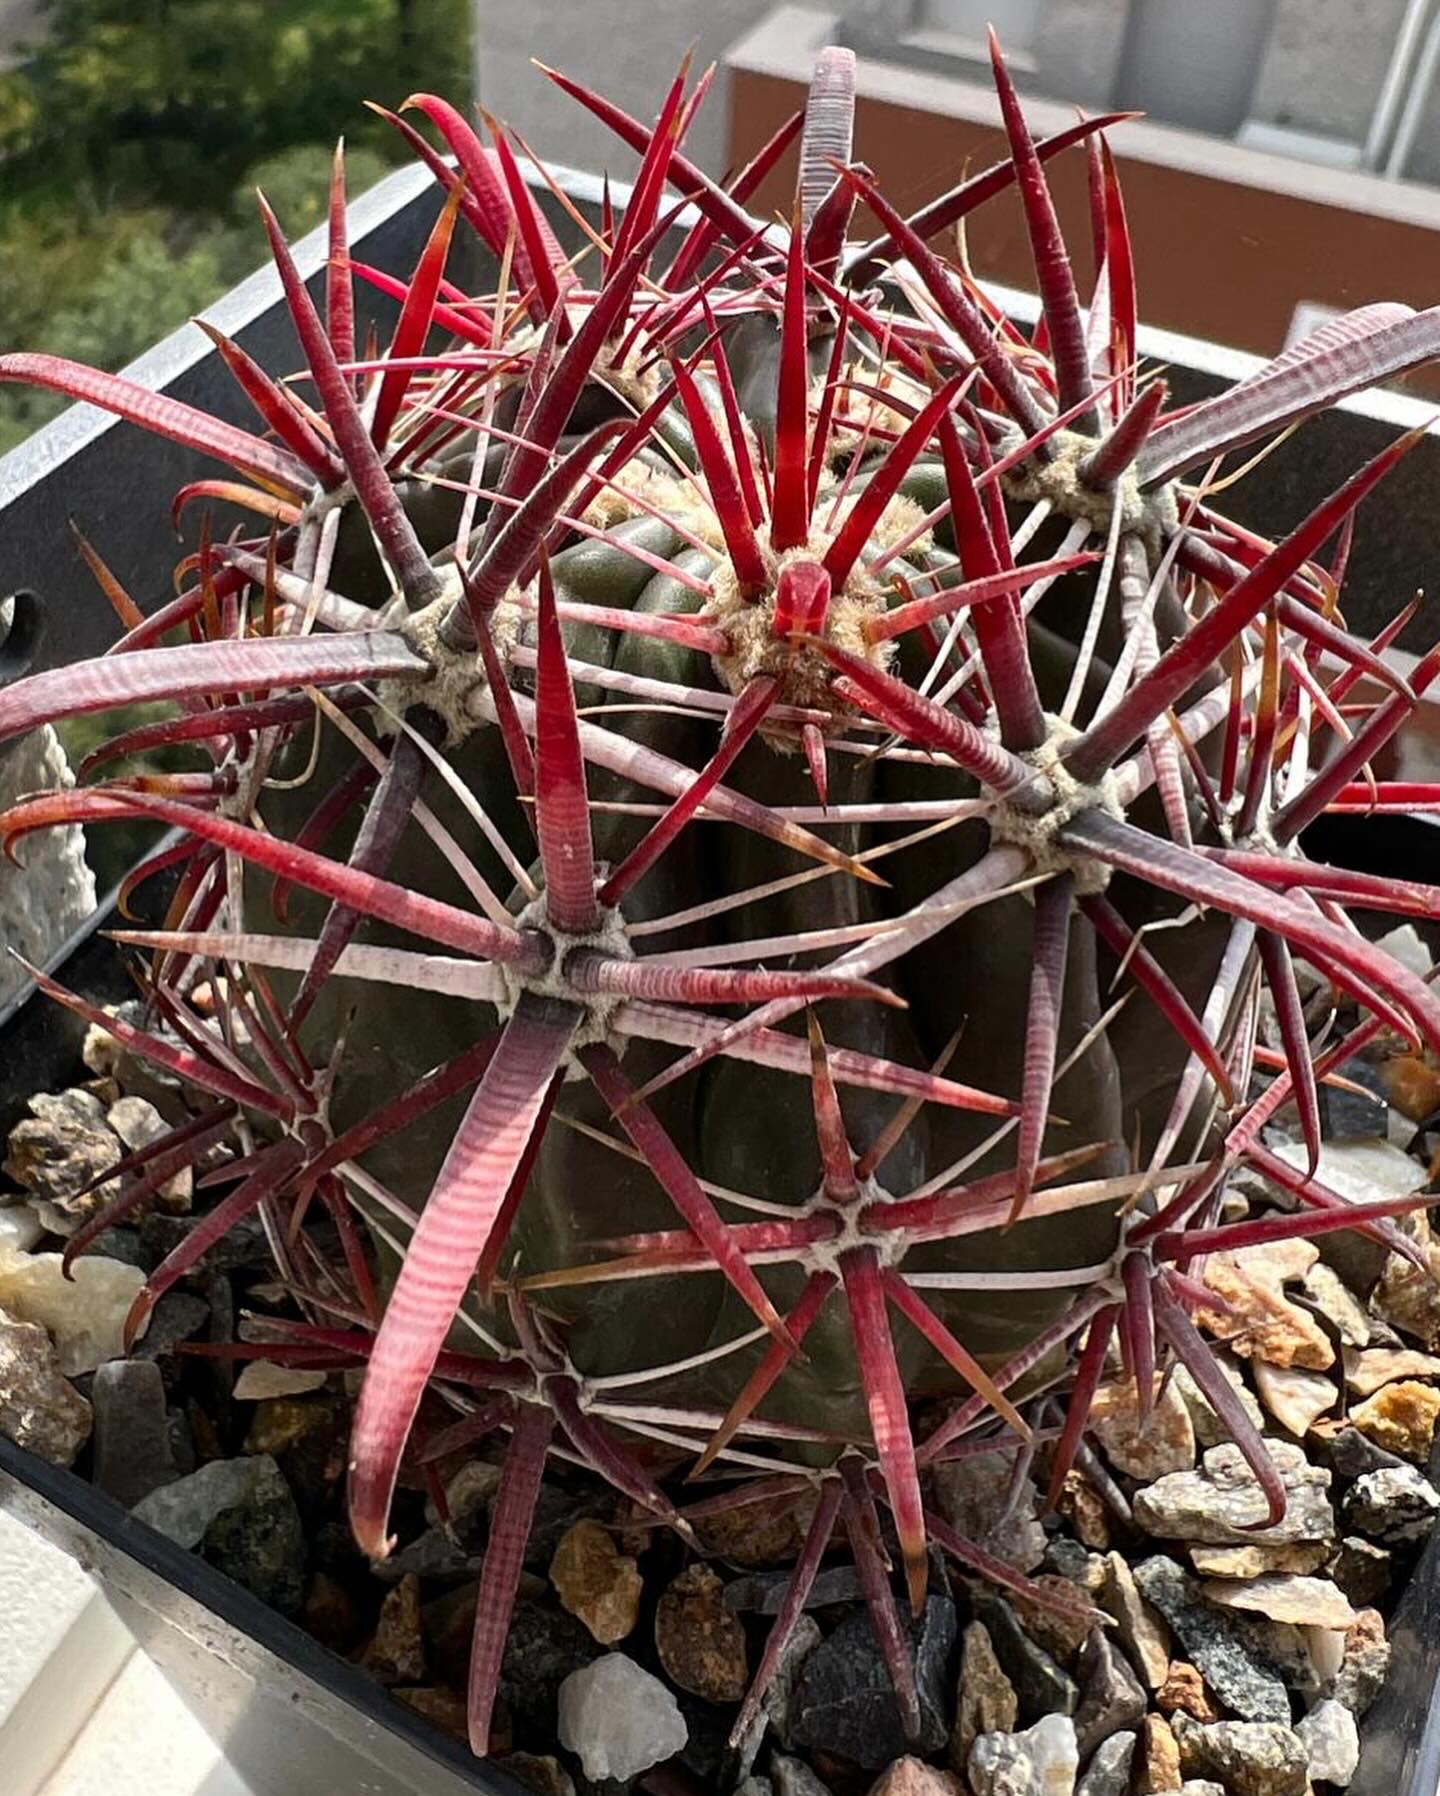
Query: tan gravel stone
(1281,1596)
(1255,1561)
(1142,1631)
(1263,1322)
(1184,1689)
(1157,1766)
(1401,1418)
(1297,1399)
(1165,1442)
(1366,1372)
(596,1582)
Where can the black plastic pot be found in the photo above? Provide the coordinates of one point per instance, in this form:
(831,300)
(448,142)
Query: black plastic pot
(1400,1737)
(222,1647)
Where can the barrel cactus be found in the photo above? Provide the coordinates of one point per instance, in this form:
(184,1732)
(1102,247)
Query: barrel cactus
(753,808)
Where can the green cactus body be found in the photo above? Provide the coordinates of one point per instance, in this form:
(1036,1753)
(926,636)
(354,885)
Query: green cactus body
(740,1126)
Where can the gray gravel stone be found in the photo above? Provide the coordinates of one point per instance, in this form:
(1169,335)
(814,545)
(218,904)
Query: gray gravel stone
(133,1450)
(431,1555)
(179,1316)
(1042,1761)
(804,1638)
(1351,1454)
(1068,1558)
(1210,1431)
(973,1494)
(241,1515)
(763,1593)
(619,1719)
(1108,1773)
(1363,1570)
(793,1777)
(1364,1666)
(1249,1758)
(544,1646)
(1222,1646)
(1111,1695)
(1142,1631)
(40,1410)
(844,1701)
(1331,1741)
(1395,1504)
(1222,1502)
(139,1124)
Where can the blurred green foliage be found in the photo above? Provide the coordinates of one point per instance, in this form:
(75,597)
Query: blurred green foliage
(135,133)
(133,138)
(133,94)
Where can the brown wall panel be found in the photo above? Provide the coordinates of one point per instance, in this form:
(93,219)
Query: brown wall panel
(1216,258)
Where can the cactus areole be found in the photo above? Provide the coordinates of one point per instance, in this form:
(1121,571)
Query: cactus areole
(749,812)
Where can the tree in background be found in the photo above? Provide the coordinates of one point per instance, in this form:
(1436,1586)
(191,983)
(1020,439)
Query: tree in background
(135,132)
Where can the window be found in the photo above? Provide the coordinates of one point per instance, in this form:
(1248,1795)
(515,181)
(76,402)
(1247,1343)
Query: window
(971,19)
(1192,65)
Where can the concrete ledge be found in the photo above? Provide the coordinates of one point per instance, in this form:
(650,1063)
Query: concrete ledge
(129,1667)
(61,1648)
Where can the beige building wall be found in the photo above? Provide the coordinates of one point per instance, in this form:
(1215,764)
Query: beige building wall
(627,50)
(21,22)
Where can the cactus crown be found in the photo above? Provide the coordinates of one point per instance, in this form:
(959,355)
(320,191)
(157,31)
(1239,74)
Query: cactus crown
(719,727)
